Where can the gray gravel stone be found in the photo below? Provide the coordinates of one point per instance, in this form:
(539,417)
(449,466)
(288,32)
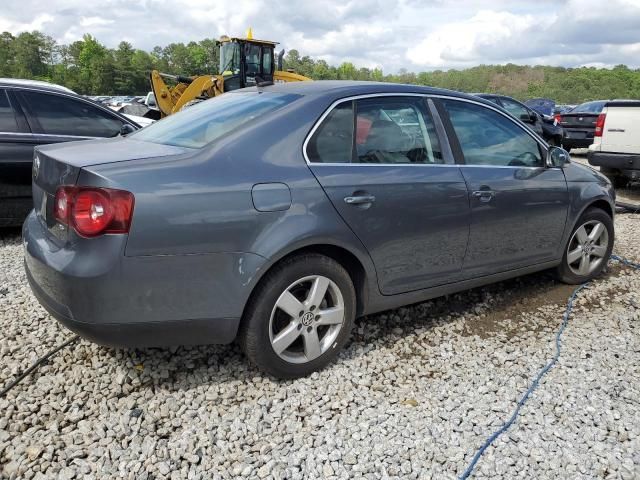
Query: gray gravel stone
(414,395)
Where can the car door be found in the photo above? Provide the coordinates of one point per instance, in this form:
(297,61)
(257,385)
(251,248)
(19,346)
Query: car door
(518,204)
(391,177)
(16,153)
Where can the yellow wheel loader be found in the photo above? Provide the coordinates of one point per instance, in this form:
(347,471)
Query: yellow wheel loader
(244,62)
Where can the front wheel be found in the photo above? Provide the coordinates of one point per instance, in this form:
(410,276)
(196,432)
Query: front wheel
(300,316)
(589,248)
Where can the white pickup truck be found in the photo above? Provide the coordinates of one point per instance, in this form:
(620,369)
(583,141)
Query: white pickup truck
(616,142)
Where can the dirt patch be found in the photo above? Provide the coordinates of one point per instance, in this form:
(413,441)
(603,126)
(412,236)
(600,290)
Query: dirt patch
(515,306)
(513,309)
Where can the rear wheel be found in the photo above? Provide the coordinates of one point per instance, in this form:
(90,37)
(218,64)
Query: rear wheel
(589,248)
(300,316)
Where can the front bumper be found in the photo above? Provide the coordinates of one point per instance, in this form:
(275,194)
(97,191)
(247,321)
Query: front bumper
(110,299)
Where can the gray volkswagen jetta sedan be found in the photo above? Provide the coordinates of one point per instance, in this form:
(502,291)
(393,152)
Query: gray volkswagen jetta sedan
(276,215)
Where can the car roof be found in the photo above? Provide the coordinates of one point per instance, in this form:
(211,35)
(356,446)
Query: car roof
(54,88)
(344,88)
(493,95)
(39,84)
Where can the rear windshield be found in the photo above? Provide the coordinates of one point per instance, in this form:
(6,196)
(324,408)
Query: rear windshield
(589,107)
(201,124)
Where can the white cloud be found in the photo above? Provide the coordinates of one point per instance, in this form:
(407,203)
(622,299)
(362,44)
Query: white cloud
(89,22)
(392,34)
(14,25)
(578,32)
(462,43)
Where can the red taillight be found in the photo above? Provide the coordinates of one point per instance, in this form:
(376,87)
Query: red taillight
(558,117)
(94,211)
(600,125)
(63,202)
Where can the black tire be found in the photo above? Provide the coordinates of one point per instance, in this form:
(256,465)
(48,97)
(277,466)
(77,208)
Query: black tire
(617,179)
(565,271)
(256,327)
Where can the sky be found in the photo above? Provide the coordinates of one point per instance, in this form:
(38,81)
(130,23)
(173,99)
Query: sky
(390,34)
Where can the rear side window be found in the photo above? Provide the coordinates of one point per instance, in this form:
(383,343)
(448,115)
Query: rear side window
(267,55)
(382,130)
(7,116)
(332,142)
(489,138)
(201,124)
(515,109)
(61,115)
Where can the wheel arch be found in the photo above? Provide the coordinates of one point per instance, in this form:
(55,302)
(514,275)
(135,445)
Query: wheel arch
(352,263)
(600,203)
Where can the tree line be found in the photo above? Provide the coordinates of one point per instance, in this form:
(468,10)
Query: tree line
(89,67)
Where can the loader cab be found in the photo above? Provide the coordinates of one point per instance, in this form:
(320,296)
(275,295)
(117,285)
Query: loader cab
(243,60)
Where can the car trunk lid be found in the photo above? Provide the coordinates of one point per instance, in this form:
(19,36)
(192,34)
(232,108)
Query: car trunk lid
(60,164)
(585,121)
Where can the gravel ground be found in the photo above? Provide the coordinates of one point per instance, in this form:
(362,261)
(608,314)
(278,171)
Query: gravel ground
(414,395)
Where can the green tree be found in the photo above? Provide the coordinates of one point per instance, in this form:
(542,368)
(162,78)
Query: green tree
(89,67)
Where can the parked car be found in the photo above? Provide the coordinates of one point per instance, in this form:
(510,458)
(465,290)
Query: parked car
(542,106)
(560,109)
(278,214)
(36,113)
(616,143)
(545,126)
(579,124)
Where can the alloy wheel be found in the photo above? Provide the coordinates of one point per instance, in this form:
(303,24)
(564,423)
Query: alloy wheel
(306,319)
(587,248)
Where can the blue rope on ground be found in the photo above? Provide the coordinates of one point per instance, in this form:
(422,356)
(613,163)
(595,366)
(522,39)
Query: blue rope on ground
(542,373)
(626,262)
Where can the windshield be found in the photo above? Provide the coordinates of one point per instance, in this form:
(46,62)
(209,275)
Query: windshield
(543,106)
(201,124)
(230,58)
(589,107)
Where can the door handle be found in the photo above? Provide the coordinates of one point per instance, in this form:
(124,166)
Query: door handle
(484,195)
(359,199)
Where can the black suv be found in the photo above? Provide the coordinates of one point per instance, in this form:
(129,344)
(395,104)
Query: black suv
(547,128)
(36,113)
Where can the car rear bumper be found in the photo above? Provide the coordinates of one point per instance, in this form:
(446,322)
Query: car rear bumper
(628,163)
(576,138)
(576,142)
(121,301)
(139,334)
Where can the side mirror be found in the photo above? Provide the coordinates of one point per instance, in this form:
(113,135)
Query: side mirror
(557,157)
(528,117)
(126,129)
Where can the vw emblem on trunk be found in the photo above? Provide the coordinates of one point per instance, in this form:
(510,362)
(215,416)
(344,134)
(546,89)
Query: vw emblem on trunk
(580,119)
(36,166)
